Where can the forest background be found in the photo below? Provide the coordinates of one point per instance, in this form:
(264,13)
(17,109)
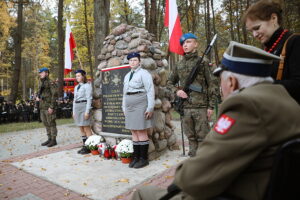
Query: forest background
(32,32)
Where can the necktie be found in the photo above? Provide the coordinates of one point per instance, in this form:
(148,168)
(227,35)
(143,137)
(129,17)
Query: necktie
(78,87)
(131,75)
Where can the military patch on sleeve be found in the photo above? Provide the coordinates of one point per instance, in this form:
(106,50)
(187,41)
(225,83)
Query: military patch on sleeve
(223,124)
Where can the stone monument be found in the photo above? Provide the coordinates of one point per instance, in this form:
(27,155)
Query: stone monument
(125,39)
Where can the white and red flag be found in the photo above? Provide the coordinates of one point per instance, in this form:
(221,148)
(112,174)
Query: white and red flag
(172,21)
(69,46)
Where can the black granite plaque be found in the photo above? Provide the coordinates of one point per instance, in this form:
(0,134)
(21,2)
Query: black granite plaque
(113,120)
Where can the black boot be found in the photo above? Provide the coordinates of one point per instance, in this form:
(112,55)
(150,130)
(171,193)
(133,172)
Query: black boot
(136,155)
(84,150)
(144,156)
(52,142)
(47,142)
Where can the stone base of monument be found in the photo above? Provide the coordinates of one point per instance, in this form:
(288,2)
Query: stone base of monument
(153,152)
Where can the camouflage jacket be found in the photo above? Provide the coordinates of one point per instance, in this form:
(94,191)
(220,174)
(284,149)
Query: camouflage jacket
(47,93)
(204,81)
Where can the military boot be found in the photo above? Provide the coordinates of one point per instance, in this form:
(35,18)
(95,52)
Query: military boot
(143,161)
(84,150)
(52,142)
(193,148)
(136,155)
(46,142)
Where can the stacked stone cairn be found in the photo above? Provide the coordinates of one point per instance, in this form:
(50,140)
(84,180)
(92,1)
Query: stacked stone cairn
(125,39)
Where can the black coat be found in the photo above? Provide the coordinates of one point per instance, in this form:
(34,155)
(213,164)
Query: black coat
(291,72)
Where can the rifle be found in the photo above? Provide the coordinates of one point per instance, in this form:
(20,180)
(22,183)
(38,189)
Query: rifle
(178,103)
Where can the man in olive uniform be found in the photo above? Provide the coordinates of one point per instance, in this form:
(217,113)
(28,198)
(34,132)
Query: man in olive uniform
(198,107)
(47,96)
(255,118)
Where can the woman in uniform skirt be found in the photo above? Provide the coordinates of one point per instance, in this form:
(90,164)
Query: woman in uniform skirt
(264,19)
(138,106)
(82,107)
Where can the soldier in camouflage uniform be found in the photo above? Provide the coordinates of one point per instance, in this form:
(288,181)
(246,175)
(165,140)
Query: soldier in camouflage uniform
(47,103)
(199,105)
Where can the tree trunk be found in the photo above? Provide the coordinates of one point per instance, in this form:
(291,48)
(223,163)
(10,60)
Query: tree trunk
(18,55)
(244,26)
(195,17)
(160,19)
(60,30)
(231,20)
(153,20)
(208,38)
(214,28)
(237,20)
(101,25)
(126,12)
(88,40)
(187,15)
(24,78)
(146,14)
(205,18)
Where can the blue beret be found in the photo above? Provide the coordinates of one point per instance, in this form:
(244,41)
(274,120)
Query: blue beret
(246,60)
(43,69)
(186,36)
(132,55)
(80,71)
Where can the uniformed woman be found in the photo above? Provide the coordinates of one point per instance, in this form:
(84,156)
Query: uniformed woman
(138,105)
(264,20)
(82,107)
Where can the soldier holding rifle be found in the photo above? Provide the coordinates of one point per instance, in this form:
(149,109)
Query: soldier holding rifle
(199,103)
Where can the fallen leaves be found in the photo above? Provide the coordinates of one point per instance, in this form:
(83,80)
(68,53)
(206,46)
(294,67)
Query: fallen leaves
(67,193)
(123,180)
(43,169)
(168,177)
(166,165)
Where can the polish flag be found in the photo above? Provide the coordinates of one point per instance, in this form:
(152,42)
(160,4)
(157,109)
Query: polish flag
(69,46)
(173,22)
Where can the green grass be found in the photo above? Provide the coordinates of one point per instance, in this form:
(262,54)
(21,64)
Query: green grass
(20,126)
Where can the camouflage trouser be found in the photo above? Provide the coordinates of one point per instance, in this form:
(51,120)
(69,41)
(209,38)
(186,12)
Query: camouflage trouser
(49,122)
(195,127)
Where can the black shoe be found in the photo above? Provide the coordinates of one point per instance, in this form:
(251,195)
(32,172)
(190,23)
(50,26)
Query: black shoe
(46,143)
(192,153)
(133,162)
(52,143)
(80,149)
(141,163)
(84,150)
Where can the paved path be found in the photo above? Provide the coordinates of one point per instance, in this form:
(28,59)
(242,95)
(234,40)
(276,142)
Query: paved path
(28,141)
(60,173)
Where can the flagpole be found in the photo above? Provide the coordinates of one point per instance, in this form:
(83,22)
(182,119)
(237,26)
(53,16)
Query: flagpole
(77,54)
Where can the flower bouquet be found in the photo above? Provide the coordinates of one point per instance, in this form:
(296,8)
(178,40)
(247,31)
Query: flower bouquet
(92,143)
(125,150)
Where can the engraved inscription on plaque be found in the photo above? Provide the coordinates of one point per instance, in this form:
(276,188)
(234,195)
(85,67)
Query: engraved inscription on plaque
(113,120)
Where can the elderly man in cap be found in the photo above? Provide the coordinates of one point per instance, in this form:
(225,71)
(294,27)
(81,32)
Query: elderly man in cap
(47,96)
(199,105)
(256,117)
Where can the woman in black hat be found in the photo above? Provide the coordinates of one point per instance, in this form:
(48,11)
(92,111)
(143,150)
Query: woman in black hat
(82,107)
(264,20)
(138,106)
